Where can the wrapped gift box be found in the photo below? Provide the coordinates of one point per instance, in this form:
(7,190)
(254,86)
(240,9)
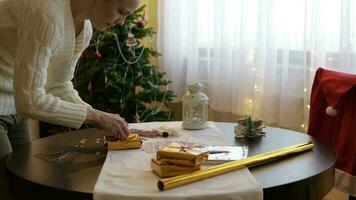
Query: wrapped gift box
(132,142)
(181,154)
(163,169)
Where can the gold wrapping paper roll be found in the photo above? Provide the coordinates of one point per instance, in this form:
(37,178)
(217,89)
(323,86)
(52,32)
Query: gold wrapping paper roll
(169,183)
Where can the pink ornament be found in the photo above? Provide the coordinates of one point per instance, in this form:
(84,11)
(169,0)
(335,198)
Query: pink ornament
(97,55)
(141,24)
(90,88)
(131,40)
(85,54)
(144,16)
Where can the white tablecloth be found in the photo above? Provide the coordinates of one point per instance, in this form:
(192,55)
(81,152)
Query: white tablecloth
(127,175)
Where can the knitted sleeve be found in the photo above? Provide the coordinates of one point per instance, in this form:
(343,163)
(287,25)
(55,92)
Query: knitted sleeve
(66,92)
(38,37)
(61,85)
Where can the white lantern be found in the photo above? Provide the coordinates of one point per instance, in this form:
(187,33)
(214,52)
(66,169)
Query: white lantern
(195,107)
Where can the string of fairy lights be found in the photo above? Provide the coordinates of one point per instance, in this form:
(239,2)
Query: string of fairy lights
(306,89)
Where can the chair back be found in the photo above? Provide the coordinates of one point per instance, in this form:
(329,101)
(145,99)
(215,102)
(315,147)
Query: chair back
(332,119)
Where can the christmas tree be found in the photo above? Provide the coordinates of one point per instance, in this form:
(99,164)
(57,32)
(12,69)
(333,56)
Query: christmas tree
(115,74)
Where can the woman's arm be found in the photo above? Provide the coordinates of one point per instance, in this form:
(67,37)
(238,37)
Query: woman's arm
(112,123)
(66,92)
(38,36)
(60,80)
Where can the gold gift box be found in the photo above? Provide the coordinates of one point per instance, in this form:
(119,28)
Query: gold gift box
(132,142)
(180,154)
(163,169)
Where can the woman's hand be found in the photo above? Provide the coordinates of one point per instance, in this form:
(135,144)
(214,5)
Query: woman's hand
(112,123)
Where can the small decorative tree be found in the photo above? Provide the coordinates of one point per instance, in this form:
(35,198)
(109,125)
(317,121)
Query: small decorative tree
(115,73)
(250,128)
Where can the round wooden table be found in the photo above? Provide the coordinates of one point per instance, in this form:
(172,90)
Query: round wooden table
(306,176)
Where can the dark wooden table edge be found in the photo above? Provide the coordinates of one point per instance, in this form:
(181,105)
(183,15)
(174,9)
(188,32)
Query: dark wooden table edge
(24,186)
(328,173)
(297,186)
(59,193)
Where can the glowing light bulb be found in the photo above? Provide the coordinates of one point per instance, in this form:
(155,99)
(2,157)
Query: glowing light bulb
(250,56)
(305,89)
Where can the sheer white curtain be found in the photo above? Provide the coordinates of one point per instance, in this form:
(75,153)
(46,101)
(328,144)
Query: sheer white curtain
(256,57)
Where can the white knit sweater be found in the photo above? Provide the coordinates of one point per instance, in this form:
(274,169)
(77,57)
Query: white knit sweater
(38,54)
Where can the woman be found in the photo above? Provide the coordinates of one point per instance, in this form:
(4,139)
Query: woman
(40,44)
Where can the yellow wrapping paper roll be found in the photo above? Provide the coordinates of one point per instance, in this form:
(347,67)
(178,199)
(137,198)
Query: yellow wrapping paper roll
(169,183)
